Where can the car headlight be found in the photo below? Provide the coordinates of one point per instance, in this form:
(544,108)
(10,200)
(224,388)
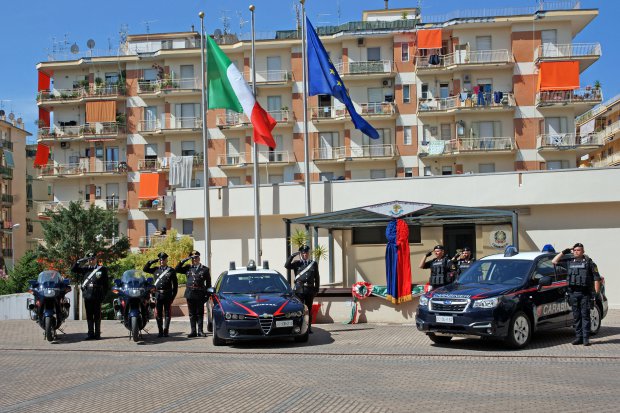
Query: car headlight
(423,300)
(135,292)
(234,316)
(486,303)
(294,314)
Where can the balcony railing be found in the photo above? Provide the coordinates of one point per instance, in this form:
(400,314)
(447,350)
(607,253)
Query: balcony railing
(6,172)
(340,112)
(112,204)
(80,131)
(564,140)
(153,164)
(167,85)
(104,91)
(364,68)
(364,151)
(467,101)
(156,204)
(150,242)
(185,123)
(609,132)
(7,252)
(270,76)
(83,167)
(61,94)
(570,51)
(328,112)
(6,144)
(485,144)
(551,97)
(7,198)
(153,125)
(247,158)
(148,86)
(233,119)
(378,109)
(610,160)
(52,206)
(475,57)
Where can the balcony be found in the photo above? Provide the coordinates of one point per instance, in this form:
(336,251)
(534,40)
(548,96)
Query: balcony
(151,241)
(385,110)
(585,53)
(469,146)
(83,168)
(567,141)
(373,69)
(157,164)
(6,172)
(103,91)
(356,153)
(149,127)
(270,77)
(156,204)
(112,204)
(57,96)
(580,98)
(43,208)
(466,60)
(609,133)
(610,160)
(468,102)
(239,120)
(6,144)
(245,159)
(183,86)
(87,131)
(7,252)
(185,123)
(7,198)
(326,113)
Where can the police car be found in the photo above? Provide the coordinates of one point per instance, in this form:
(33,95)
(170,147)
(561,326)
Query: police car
(507,296)
(251,303)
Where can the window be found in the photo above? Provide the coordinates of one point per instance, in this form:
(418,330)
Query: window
(408,138)
(277,155)
(444,90)
(328,145)
(326,176)
(373,54)
(150,118)
(446,170)
(429,132)
(404,54)
(274,69)
(425,93)
(563,164)
(188,148)
(166,44)
(234,181)
(544,268)
(274,107)
(188,227)
(446,131)
(485,168)
(232,151)
(276,179)
(376,235)
(556,125)
(427,171)
(408,172)
(377,173)
(87,193)
(150,151)
(187,77)
(185,114)
(406,94)
(375,95)
(149,74)
(483,43)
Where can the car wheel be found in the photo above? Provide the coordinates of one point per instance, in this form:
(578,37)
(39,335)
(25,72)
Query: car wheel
(216,340)
(439,339)
(595,320)
(519,331)
(302,338)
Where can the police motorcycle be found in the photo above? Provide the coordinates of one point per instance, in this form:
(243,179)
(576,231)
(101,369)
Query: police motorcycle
(49,307)
(134,305)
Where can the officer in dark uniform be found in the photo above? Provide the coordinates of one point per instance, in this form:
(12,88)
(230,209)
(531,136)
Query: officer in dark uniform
(167,285)
(307,278)
(584,280)
(463,260)
(198,280)
(93,279)
(442,267)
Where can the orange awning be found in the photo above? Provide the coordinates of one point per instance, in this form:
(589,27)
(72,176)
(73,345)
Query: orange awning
(429,39)
(558,76)
(149,186)
(104,111)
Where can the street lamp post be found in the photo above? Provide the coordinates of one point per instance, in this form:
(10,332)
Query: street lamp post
(13,228)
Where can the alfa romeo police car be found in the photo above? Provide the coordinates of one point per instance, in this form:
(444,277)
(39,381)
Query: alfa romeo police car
(507,296)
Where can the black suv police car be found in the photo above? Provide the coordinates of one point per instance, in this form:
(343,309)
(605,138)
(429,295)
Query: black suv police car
(507,296)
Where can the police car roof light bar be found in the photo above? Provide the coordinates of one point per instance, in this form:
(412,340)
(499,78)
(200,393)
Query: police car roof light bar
(232,266)
(265,265)
(510,251)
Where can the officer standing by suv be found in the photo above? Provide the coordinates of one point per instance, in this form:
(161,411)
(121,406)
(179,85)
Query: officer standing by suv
(583,278)
(198,280)
(442,267)
(463,260)
(167,285)
(93,279)
(307,278)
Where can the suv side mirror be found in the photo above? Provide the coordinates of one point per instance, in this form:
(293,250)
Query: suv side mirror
(544,282)
(211,290)
(117,282)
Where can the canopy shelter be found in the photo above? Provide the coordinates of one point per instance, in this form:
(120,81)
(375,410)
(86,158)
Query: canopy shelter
(413,213)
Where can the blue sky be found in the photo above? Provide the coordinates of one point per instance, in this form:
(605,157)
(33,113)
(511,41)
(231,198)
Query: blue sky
(29,28)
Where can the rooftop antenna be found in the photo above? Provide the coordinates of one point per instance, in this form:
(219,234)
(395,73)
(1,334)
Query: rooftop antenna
(122,37)
(91,45)
(338,11)
(148,25)
(242,21)
(325,22)
(225,21)
(75,49)
(297,12)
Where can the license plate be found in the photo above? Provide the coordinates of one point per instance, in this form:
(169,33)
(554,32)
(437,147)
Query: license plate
(284,323)
(444,319)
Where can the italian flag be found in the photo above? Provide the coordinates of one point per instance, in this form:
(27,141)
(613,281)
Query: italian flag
(229,90)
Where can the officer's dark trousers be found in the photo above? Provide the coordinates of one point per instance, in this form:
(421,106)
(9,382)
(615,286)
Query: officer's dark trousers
(580,301)
(162,309)
(93,316)
(307,298)
(196,308)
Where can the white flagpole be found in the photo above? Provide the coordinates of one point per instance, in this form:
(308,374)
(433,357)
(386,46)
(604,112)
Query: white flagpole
(205,147)
(256,179)
(304,55)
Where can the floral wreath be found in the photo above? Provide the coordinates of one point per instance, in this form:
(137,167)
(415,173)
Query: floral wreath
(361,289)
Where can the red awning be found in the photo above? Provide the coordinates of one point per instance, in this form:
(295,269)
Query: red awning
(558,76)
(42,156)
(44,81)
(429,39)
(44,118)
(149,186)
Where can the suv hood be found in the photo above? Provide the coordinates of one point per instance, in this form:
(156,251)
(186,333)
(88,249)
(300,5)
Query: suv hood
(472,290)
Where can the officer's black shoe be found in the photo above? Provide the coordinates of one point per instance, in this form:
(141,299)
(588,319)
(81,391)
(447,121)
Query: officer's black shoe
(310,331)
(192,334)
(201,334)
(160,334)
(586,342)
(97,336)
(90,336)
(165,333)
(577,341)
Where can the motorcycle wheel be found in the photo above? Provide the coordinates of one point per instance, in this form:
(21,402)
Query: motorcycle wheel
(135,329)
(49,328)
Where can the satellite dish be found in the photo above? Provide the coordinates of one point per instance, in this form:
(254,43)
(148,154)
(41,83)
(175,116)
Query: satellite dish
(217,33)
(11,116)
(74,48)
(19,120)
(2,112)
(90,43)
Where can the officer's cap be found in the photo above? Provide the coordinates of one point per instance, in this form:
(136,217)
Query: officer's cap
(162,255)
(304,248)
(439,247)
(90,255)
(466,249)
(194,254)
(578,245)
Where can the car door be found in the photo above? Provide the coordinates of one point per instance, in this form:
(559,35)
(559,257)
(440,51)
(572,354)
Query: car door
(561,275)
(550,302)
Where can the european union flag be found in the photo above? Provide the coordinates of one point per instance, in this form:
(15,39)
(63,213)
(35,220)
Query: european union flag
(323,79)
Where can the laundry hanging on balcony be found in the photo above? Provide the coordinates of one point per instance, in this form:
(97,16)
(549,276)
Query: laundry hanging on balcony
(104,111)
(429,39)
(181,171)
(558,75)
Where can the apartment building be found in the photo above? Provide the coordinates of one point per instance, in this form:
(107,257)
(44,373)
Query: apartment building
(602,123)
(12,184)
(39,199)
(475,97)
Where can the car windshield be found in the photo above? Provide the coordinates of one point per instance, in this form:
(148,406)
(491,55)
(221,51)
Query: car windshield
(53,277)
(253,284)
(511,272)
(133,277)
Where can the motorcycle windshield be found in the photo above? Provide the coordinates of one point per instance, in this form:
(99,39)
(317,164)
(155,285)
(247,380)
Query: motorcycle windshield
(49,279)
(133,279)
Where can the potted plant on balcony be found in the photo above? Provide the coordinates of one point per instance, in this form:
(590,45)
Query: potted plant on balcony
(284,110)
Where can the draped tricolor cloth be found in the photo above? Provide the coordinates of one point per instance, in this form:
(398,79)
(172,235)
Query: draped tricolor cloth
(398,262)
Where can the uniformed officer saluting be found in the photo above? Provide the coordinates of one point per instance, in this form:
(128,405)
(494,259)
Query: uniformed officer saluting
(167,285)
(442,267)
(463,260)
(93,279)
(198,280)
(583,279)
(307,279)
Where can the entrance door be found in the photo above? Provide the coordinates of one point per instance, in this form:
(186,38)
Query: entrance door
(187,77)
(459,236)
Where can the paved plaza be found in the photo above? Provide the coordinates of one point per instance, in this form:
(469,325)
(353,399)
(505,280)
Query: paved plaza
(348,368)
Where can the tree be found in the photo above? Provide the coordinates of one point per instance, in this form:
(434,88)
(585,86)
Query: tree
(27,268)
(73,231)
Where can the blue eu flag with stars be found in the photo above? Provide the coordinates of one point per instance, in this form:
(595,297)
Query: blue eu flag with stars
(323,79)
